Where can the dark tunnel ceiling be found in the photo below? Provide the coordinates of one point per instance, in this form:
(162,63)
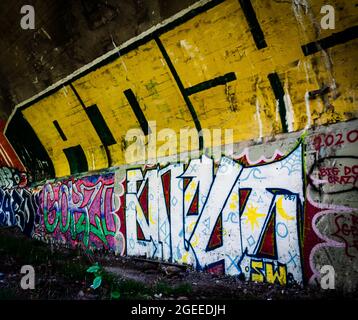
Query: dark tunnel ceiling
(68,35)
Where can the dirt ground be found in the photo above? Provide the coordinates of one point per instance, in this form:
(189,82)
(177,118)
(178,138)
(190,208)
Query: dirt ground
(61,273)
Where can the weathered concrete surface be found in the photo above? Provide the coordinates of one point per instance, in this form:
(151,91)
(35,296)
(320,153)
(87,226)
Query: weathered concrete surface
(278,207)
(205,70)
(276,213)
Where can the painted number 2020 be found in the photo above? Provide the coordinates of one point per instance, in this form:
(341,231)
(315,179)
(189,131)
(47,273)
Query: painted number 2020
(328,140)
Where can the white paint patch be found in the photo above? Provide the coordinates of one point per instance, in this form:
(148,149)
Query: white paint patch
(307,69)
(119,54)
(123,64)
(188,48)
(246,153)
(194,52)
(65,91)
(258,116)
(308,110)
(289,112)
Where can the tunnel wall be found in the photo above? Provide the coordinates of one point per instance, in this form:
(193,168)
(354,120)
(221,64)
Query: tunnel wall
(274,212)
(217,65)
(277,207)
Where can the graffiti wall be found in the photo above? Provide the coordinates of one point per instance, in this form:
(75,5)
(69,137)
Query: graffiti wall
(83,212)
(276,209)
(274,212)
(332,201)
(228,218)
(19,208)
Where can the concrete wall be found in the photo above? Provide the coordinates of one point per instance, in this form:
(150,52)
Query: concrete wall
(273,212)
(276,207)
(202,69)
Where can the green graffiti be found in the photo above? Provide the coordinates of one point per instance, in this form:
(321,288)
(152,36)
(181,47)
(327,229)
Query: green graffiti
(74,217)
(80,227)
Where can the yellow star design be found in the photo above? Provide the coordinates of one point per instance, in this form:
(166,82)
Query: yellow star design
(252,216)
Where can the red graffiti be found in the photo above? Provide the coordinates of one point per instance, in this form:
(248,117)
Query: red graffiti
(8,157)
(335,175)
(347,230)
(330,139)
